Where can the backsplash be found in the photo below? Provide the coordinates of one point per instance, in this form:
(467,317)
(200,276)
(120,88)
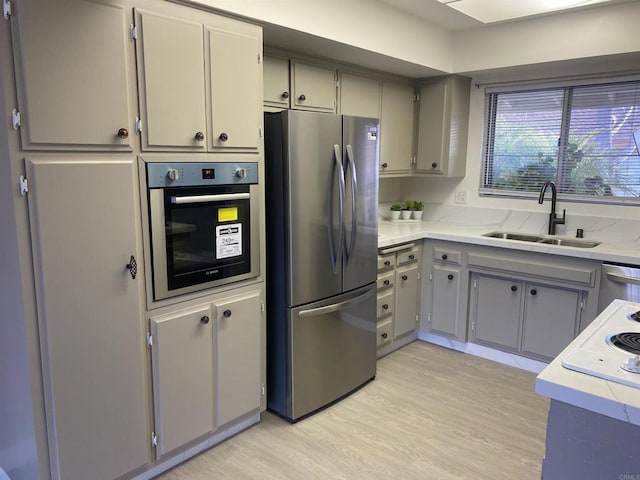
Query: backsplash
(595,228)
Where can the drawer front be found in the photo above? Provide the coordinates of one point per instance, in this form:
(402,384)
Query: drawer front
(385,280)
(409,256)
(385,262)
(385,304)
(447,255)
(385,332)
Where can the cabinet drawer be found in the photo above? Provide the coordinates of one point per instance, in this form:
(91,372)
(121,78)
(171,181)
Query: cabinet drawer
(447,255)
(385,332)
(385,303)
(385,280)
(409,256)
(386,262)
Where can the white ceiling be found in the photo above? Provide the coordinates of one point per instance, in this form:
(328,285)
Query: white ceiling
(458,15)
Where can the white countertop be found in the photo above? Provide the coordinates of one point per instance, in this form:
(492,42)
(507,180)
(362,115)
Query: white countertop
(598,395)
(401,231)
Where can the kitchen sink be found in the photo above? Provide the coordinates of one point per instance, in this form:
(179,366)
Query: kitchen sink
(523,237)
(569,242)
(563,242)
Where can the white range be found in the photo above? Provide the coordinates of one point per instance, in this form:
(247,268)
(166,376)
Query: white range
(611,348)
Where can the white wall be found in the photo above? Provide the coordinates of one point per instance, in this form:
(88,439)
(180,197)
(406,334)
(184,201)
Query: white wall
(578,34)
(365,24)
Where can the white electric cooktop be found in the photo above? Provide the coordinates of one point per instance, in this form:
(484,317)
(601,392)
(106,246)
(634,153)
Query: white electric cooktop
(611,348)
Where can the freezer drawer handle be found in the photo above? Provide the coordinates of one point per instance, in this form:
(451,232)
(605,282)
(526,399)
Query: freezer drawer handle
(335,307)
(209,198)
(614,277)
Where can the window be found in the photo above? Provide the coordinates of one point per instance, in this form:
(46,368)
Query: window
(579,136)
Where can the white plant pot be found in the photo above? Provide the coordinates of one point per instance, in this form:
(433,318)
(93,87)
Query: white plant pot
(394,214)
(417,214)
(406,214)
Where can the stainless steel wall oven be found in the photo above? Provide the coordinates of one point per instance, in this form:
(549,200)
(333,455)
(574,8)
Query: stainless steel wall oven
(204,225)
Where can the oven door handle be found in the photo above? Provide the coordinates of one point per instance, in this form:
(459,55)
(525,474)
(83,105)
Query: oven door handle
(209,198)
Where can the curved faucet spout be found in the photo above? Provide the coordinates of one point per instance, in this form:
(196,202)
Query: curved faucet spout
(553,218)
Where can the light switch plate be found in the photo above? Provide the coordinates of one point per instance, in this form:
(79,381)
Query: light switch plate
(461,196)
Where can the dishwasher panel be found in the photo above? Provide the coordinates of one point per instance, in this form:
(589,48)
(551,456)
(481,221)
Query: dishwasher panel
(619,281)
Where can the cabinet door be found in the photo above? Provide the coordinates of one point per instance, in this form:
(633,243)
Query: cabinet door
(236,88)
(359,96)
(171,83)
(75,73)
(276,82)
(442,127)
(239,329)
(550,318)
(183,377)
(84,232)
(406,300)
(445,300)
(314,87)
(497,305)
(396,128)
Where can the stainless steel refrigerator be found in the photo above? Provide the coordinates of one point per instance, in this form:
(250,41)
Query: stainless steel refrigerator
(322,233)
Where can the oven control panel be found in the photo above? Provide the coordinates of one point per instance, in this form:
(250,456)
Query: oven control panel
(162,175)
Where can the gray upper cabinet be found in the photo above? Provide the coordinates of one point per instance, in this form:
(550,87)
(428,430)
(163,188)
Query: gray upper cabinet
(396,128)
(88,275)
(359,96)
(200,82)
(172,83)
(443,122)
(313,87)
(276,83)
(75,75)
(235,72)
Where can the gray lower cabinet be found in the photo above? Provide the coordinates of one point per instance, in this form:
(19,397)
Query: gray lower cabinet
(239,330)
(207,367)
(398,295)
(90,325)
(183,377)
(445,311)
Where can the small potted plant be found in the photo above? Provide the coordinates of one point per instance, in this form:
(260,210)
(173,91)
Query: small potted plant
(418,210)
(406,210)
(395,211)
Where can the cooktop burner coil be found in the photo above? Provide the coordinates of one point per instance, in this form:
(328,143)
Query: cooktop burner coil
(627,341)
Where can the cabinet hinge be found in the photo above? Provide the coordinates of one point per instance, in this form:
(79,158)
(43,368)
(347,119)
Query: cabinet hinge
(431,277)
(154,439)
(262,307)
(149,340)
(473,326)
(582,302)
(429,318)
(475,284)
(6,9)
(260,132)
(134,32)
(24,185)
(262,390)
(416,98)
(259,58)
(138,125)
(417,319)
(16,119)
(413,160)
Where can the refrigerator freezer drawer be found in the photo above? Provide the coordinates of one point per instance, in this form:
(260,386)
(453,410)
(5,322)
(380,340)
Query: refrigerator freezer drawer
(333,349)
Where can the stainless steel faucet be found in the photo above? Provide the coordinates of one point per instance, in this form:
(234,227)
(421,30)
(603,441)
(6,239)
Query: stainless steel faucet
(553,217)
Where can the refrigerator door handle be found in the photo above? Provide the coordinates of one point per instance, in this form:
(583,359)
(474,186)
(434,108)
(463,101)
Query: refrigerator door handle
(351,166)
(334,307)
(337,166)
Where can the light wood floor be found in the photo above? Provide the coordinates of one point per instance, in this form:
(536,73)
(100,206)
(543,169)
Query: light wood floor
(431,413)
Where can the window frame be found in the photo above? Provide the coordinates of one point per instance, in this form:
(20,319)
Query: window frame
(524,86)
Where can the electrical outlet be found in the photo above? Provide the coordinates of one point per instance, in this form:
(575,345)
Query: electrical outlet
(461,196)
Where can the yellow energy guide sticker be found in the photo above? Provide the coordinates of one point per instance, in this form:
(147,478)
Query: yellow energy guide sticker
(228,214)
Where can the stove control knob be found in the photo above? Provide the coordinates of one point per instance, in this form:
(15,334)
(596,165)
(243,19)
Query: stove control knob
(173,174)
(241,172)
(632,364)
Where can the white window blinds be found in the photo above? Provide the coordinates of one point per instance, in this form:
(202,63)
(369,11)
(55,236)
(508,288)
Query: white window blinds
(581,137)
